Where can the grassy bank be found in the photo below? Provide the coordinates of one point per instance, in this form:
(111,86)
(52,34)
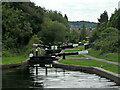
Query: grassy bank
(76,49)
(108,56)
(82,47)
(70,50)
(75,56)
(90,62)
(10,60)
(19,57)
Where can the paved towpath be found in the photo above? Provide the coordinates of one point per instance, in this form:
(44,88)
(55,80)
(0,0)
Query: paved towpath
(103,60)
(94,58)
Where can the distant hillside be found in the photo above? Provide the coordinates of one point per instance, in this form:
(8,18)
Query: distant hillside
(79,24)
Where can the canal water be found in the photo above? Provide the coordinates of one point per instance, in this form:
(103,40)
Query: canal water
(27,77)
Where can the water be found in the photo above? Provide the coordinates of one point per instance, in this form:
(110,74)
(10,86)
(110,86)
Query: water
(26,77)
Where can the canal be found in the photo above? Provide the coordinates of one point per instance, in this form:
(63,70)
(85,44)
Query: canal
(26,77)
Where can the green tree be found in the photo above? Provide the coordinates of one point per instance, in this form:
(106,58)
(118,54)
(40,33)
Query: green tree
(110,39)
(103,18)
(94,35)
(52,32)
(74,36)
(22,23)
(66,17)
(115,20)
(83,33)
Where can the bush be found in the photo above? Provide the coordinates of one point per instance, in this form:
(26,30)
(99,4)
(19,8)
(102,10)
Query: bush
(6,52)
(108,41)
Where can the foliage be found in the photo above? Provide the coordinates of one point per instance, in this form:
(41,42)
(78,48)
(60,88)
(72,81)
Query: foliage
(94,35)
(53,32)
(110,39)
(17,26)
(103,17)
(24,23)
(73,36)
(83,33)
(57,16)
(105,37)
(34,40)
(16,30)
(84,41)
(79,24)
(66,17)
(115,20)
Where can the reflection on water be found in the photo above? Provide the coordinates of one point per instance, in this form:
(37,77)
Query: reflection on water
(27,78)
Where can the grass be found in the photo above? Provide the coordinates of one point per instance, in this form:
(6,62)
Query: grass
(75,55)
(71,50)
(76,49)
(10,60)
(82,47)
(90,62)
(108,56)
(16,58)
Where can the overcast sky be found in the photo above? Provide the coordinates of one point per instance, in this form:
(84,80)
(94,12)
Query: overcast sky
(78,10)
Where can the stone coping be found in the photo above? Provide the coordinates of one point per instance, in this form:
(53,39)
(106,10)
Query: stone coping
(96,70)
(7,66)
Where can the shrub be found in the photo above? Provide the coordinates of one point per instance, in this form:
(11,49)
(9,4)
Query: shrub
(108,41)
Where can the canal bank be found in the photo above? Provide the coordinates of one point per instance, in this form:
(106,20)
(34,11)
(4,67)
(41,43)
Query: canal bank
(13,65)
(99,71)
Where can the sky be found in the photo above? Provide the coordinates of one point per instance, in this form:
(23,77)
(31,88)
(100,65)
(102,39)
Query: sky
(80,10)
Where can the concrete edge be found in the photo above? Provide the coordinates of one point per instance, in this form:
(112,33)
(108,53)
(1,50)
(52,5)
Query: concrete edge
(7,66)
(99,71)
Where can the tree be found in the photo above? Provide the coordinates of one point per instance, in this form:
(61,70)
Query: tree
(16,30)
(22,23)
(83,33)
(103,18)
(66,17)
(110,39)
(115,20)
(94,35)
(74,36)
(52,32)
